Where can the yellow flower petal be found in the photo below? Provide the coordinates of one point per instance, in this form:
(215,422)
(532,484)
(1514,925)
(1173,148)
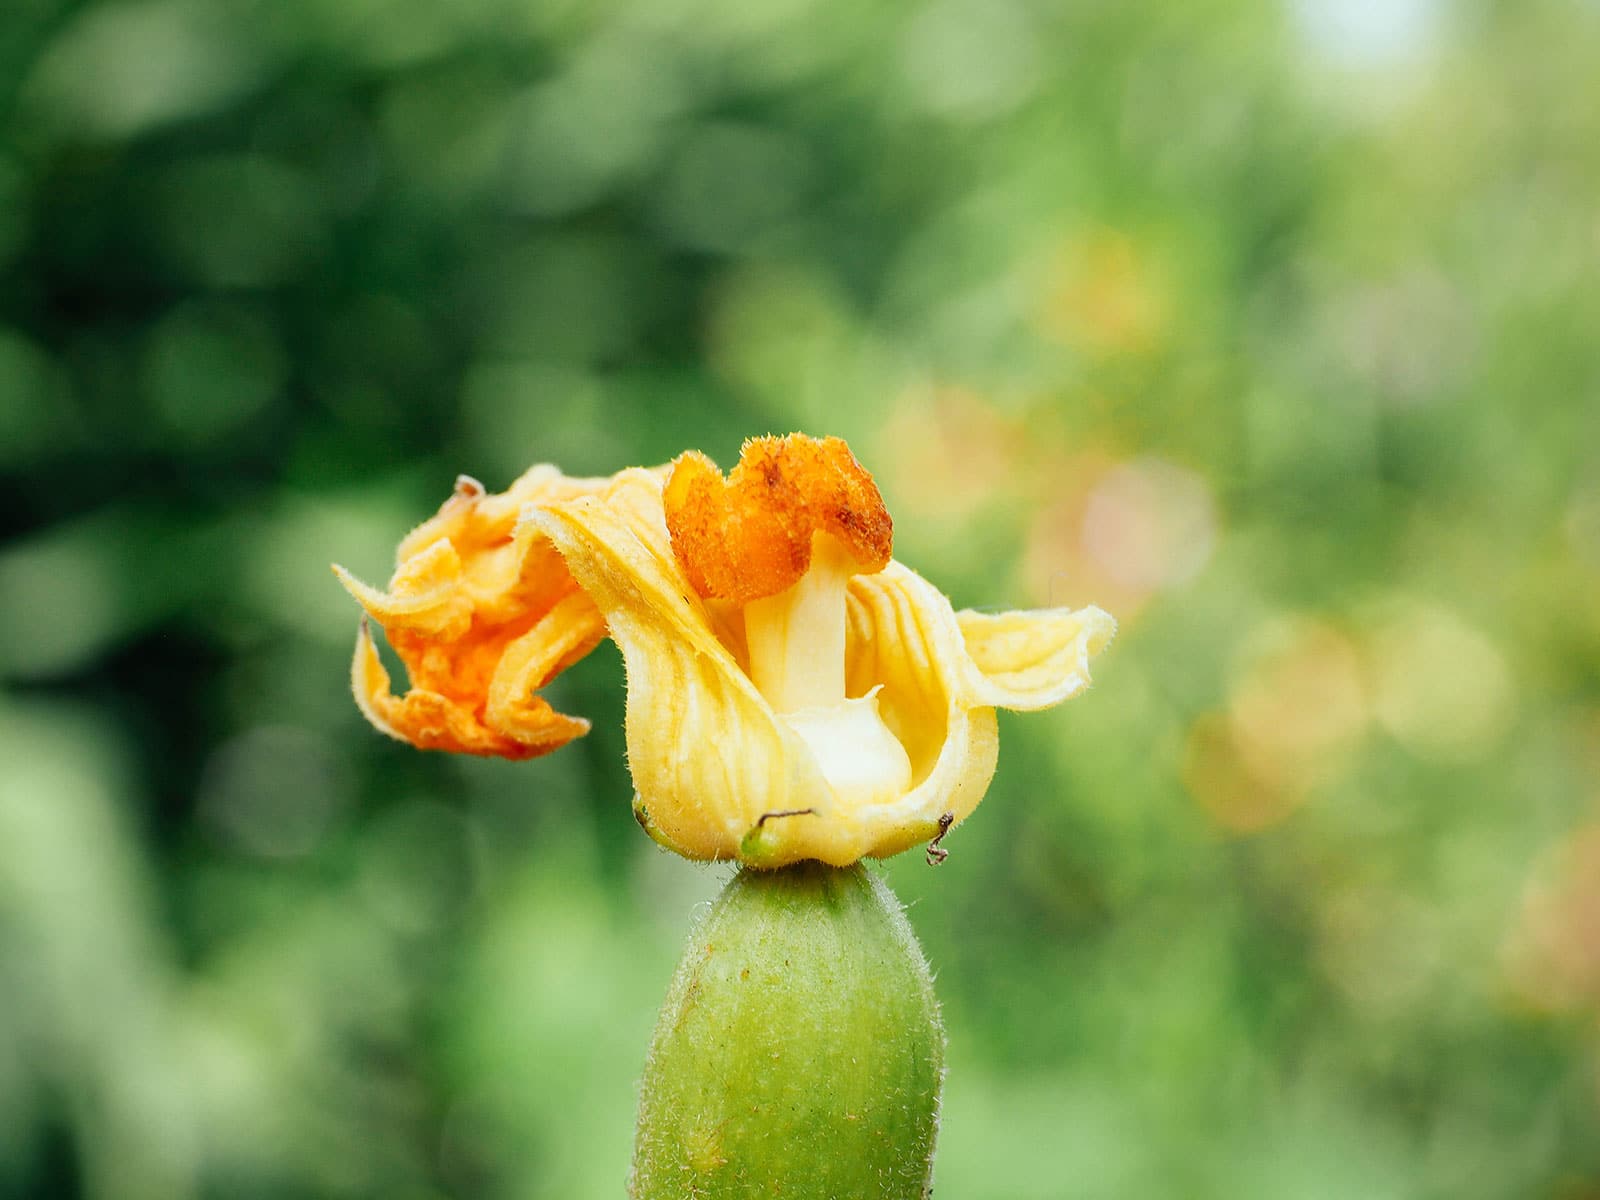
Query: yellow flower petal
(943,674)
(717,775)
(904,638)
(1031,660)
(423,597)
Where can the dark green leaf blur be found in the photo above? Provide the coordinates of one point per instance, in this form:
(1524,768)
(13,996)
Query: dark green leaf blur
(1271,326)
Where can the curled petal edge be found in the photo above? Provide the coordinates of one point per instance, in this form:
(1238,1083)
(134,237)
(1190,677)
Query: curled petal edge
(945,674)
(1032,660)
(430,720)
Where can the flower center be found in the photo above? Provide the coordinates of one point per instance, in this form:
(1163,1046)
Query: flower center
(781,535)
(796,641)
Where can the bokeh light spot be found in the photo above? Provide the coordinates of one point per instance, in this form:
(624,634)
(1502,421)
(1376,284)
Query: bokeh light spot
(590,129)
(1367,33)
(120,69)
(241,220)
(1380,948)
(208,369)
(731,185)
(1103,295)
(1225,784)
(60,603)
(970,60)
(1296,713)
(1300,703)
(273,791)
(947,451)
(1442,688)
(1150,524)
(421,866)
(1552,957)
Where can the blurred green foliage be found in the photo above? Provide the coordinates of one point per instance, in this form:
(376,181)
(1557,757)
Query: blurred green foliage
(1273,327)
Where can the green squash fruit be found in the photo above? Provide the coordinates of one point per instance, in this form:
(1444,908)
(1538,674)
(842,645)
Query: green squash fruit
(799,1053)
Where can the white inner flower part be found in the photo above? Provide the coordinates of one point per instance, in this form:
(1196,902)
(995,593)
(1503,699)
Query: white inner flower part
(865,763)
(796,641)
(796,638)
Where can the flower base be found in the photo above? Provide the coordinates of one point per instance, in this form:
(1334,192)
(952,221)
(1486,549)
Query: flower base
(799,1052)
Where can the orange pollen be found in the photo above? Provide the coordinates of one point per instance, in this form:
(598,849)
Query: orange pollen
(750,535)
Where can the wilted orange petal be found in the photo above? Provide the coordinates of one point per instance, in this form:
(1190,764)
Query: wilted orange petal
(431,721)
(560,638)
(750,536)
(527,728)
(482,613)
(422,597)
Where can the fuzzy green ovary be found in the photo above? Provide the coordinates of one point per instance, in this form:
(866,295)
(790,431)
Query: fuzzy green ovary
(799,1052)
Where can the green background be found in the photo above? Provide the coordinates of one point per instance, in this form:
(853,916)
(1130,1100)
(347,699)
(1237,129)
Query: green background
(1271,327)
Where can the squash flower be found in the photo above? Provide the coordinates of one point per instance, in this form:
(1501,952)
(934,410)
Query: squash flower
(793,692)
